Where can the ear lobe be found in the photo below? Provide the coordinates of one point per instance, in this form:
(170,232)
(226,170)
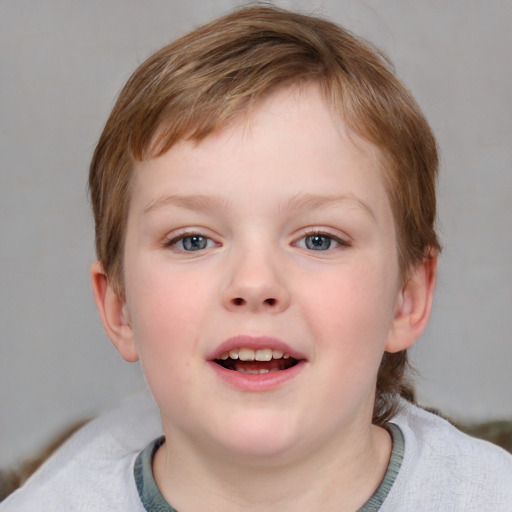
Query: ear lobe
(414,305)
(114,314)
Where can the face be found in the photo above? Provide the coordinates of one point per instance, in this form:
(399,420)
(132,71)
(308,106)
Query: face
(261,280)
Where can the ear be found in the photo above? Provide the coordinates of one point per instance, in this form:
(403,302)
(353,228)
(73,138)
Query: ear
(414,304)
(113,313)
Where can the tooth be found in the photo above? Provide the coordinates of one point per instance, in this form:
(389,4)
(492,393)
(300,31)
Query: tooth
(246,354)
(264,371)
(224,356)
(233,353)
(277,354)
(263,354)
(251,372)
(286,356)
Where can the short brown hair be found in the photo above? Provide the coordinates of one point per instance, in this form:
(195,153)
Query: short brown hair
(194,86)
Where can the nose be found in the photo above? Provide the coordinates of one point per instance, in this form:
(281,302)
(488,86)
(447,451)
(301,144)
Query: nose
(256,282)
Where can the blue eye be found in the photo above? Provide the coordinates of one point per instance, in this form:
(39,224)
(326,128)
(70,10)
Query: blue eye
(192,243)
(319,242)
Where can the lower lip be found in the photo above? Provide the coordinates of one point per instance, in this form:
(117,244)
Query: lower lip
(259,381)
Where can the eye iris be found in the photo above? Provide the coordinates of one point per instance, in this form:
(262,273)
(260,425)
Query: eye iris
(318,242)
(194,243)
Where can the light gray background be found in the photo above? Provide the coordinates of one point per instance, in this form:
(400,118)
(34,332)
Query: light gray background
(62,63)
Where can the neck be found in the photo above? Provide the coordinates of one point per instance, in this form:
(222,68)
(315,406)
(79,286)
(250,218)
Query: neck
(339,476)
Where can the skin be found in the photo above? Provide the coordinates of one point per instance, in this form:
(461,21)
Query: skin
(259,193)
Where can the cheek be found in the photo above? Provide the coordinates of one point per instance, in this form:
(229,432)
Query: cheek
(165,309)
(166,334)
(353,310)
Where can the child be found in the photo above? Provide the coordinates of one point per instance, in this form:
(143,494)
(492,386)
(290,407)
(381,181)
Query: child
(264,199)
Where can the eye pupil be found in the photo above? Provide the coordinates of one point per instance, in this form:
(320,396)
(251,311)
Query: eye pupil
(194,243)
(318,242)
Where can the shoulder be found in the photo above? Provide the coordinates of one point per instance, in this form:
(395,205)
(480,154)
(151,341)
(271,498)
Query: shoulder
(445,469)
(93,470)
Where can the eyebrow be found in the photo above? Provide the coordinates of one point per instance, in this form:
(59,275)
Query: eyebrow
(189,202)
(314,201)
(298,202)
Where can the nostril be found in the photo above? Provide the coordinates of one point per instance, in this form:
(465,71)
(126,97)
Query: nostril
(239,301)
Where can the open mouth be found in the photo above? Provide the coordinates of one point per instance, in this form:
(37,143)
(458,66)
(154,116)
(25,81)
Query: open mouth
(264,360)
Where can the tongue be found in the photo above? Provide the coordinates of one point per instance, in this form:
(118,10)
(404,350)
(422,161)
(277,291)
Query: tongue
(274,364)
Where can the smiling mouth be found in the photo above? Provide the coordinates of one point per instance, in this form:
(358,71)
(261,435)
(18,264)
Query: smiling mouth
(264,360)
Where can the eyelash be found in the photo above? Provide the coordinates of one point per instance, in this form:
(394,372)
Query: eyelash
(171,243)
(330,236)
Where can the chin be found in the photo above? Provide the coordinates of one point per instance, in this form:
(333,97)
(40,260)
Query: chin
(260,437)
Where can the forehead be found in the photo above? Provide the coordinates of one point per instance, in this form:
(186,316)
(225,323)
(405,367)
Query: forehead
(290,140)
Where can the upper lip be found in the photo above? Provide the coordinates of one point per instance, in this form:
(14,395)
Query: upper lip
(255,343)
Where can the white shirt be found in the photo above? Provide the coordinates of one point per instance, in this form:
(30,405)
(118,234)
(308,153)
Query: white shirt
(443,470)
